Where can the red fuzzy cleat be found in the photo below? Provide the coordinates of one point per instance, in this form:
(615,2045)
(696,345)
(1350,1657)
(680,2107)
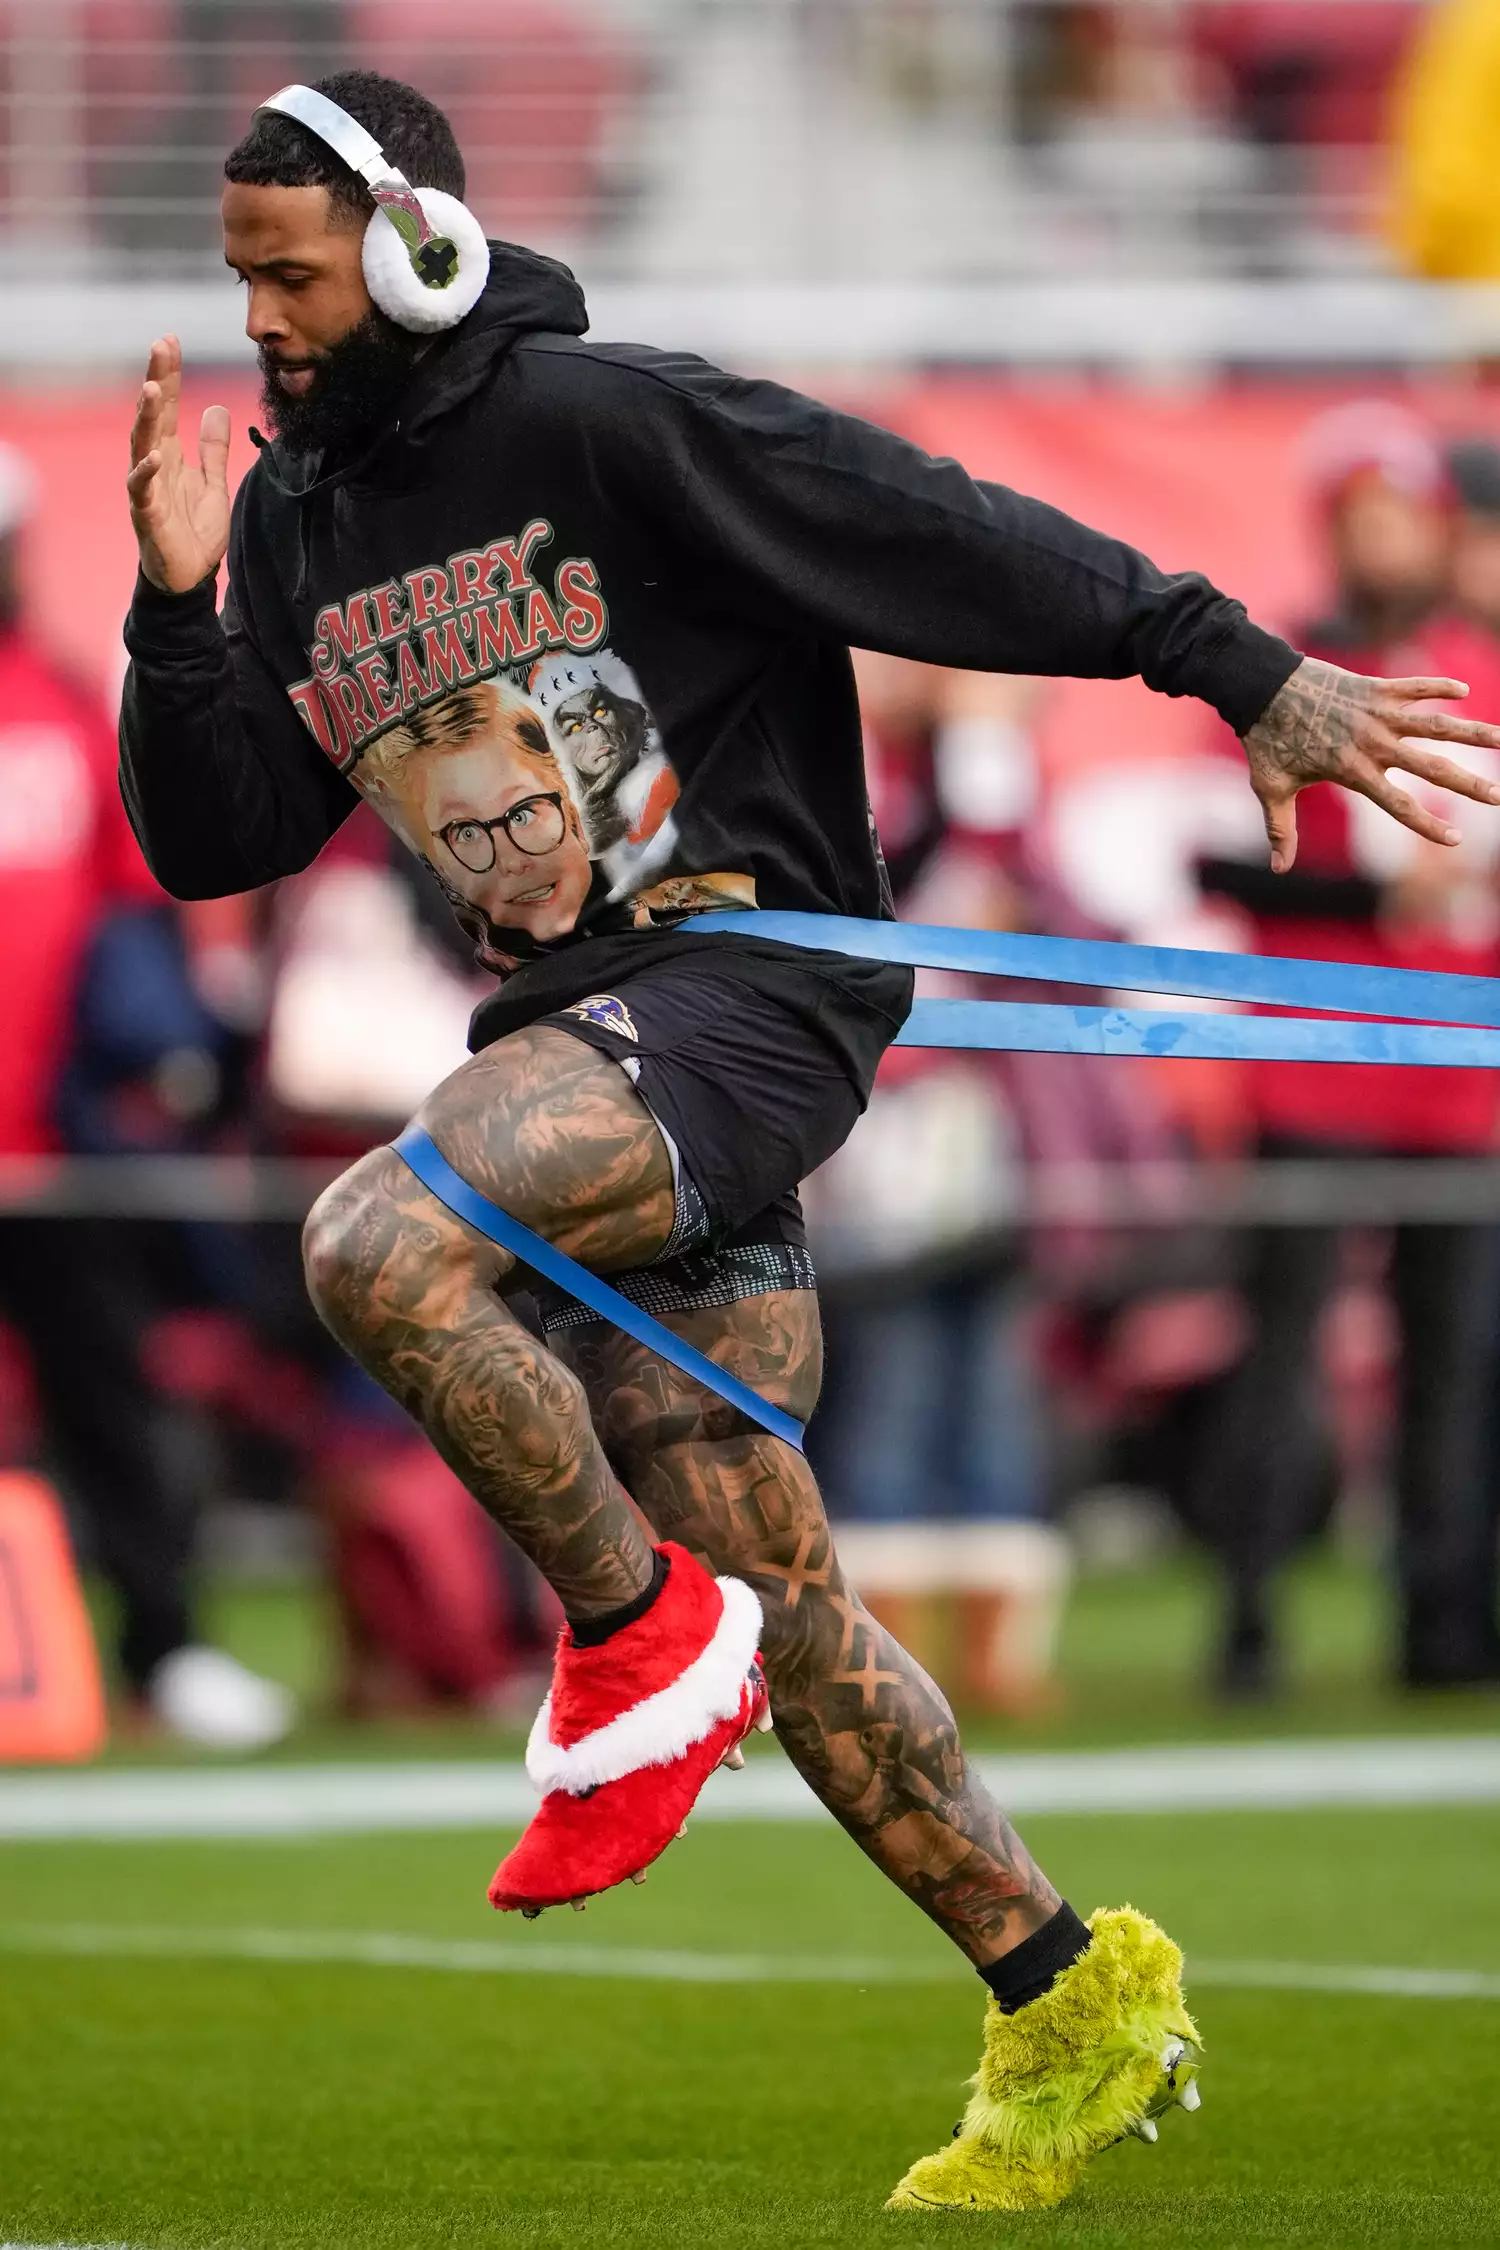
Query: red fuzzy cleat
(630,1733)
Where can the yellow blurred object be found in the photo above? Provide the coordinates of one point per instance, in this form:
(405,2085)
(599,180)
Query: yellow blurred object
(51,1697)
(1445,208)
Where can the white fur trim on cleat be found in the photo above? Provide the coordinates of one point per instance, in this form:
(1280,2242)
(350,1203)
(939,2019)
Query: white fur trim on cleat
(662,1727)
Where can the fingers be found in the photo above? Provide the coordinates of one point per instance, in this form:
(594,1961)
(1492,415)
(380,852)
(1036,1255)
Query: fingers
(213,446)
(156,408)
(1445,774)
(1371,782)
(140,480)
(1420,691)
(1440,726)
(1281,830)
(165,369)
(145,431)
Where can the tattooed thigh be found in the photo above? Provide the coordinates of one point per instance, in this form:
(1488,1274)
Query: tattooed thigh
(557,1136)
(550,1131)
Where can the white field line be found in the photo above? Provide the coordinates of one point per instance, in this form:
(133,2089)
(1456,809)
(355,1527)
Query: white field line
(327,1800)
(382,1949)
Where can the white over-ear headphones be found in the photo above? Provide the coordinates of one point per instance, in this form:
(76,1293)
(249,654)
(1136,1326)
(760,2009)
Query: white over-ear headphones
(425,256)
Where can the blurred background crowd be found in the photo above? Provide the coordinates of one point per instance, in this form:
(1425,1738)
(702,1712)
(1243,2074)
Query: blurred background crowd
(1218,275)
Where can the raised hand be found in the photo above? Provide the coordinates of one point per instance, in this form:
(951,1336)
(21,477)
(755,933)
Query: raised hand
(1330,725)
(180,508)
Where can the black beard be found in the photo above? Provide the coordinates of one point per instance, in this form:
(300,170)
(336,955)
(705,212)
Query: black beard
(354,389)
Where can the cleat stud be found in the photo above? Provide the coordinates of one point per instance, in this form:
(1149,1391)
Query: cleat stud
(530,1913)
(765,1722)
(579,1905)
(1144,2129)
(639,1876)
(734,1759)
(1190,2098)
(682,1831)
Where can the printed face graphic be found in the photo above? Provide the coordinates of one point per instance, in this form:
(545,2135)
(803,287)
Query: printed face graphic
(475,790)
(502,832)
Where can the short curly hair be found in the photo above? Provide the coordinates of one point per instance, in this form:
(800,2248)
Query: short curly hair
(416,136)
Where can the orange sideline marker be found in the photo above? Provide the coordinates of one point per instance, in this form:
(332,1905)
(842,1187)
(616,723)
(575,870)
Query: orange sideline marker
(51,1697)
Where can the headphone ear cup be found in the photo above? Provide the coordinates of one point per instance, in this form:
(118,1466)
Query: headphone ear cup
(393,282)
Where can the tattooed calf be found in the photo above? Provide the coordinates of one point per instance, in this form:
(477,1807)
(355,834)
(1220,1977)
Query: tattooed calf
(861,1721)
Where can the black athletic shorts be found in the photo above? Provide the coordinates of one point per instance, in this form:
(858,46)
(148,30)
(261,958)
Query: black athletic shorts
(750,1098)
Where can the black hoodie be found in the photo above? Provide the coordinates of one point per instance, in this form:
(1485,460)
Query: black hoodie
(578,626)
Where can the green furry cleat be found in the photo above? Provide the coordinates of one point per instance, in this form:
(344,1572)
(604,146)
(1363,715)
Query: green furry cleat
(1094,2061)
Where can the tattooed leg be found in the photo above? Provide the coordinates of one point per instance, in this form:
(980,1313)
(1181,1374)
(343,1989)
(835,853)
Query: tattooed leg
(861,1722)
(557,1135)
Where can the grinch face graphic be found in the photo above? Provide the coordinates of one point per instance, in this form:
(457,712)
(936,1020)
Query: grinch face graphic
(603,738)
(600,726)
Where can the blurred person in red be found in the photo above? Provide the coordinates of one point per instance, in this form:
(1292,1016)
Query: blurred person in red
(1385,504)
(72,1288)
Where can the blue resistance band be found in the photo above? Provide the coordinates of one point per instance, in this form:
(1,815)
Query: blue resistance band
(1461,1030)
(1037,1028)
(1345,988)
(425,1158)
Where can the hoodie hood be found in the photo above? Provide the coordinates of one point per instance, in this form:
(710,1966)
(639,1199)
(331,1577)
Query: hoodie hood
(526,293)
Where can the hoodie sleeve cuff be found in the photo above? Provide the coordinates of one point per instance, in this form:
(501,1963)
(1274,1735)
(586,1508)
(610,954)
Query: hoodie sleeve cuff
(172,624)
(1239,672)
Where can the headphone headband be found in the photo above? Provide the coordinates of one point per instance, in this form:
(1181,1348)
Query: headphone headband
(344,134)
(429,276)
(393,192)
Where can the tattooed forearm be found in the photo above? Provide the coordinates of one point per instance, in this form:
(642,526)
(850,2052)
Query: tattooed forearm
(866,1728)
(410,1292)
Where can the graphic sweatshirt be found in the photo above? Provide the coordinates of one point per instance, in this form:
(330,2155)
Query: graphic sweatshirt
(577,626)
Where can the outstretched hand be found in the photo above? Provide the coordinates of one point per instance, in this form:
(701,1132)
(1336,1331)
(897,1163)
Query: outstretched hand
(180,508)
(1330,725)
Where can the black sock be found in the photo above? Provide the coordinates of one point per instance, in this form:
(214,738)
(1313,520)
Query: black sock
(593,1632)
(1032,1967)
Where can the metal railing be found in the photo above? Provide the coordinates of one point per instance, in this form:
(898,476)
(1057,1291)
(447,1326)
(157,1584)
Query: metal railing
(777,167)
(1292,1192)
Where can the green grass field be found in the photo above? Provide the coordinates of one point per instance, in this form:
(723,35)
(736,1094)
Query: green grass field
(267,2105)
(173,2076)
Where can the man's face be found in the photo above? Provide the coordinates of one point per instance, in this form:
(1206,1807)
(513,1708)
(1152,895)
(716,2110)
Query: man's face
(331,365)
(306,285)
(1389,545)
